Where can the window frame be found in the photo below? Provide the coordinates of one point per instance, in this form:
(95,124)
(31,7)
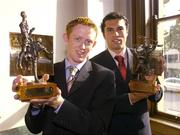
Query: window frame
(154,110)
(144,22)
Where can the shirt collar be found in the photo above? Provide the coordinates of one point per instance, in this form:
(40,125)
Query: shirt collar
(78,66)
(122,53)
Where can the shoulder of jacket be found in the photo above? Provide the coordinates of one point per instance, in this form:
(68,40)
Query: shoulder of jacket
(99,68)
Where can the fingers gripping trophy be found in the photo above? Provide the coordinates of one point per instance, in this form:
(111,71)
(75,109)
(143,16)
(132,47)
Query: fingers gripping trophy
(147,65)
(27,61)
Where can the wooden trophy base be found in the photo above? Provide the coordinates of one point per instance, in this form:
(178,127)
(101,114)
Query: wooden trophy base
(142,86)
(36,91)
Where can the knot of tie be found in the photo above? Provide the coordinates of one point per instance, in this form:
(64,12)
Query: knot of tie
(120,59)
(72,72)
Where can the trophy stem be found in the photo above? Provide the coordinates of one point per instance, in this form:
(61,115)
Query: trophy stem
(35,71)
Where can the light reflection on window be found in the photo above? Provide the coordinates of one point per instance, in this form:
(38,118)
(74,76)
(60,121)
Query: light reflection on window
(169,7)
(169,35)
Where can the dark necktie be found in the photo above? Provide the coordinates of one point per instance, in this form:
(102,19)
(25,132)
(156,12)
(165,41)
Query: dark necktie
(72,76)
(121,66)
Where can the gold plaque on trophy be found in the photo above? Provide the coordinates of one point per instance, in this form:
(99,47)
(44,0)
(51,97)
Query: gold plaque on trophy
(147,62)
(36,91)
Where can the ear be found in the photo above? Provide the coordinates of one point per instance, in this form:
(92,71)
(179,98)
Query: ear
(94,43)
(65,37)
(127,30)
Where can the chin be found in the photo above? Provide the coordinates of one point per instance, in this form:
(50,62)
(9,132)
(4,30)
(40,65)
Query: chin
(79,60)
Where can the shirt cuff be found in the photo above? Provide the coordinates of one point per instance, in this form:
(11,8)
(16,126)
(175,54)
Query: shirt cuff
(35,111)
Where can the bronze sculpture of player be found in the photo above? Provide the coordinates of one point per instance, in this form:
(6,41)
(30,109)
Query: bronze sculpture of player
(29,54)
(143,57)
(145,65)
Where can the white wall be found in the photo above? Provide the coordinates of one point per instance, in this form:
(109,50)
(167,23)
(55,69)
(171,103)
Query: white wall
(49,17)
(41,14)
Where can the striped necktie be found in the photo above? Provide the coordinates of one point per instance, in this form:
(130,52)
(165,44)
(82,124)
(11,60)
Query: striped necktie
(72,76)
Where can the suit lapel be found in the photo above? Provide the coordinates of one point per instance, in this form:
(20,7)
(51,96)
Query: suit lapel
(110,63)
(60,77)
(82,77)
(129,58)
(129,64)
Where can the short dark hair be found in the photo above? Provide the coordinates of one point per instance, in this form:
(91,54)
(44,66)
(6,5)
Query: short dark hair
(111,16)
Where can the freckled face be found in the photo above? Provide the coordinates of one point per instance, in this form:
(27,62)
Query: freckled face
(79,43)
(115,34)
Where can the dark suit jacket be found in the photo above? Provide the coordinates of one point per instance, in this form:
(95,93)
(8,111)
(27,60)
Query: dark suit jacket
(87,109)
(127,119)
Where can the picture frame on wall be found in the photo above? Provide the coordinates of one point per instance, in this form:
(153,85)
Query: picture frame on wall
(45,60)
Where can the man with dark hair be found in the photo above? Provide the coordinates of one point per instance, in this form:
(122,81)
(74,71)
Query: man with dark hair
(130,115)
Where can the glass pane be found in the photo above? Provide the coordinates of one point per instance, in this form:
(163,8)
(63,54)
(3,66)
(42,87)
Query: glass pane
(168,8)
(168,35)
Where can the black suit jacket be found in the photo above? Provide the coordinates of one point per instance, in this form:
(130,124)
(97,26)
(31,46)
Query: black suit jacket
(87,109)
(127,119)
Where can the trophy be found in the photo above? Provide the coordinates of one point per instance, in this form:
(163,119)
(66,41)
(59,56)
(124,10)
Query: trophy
(27,61)
(147,62)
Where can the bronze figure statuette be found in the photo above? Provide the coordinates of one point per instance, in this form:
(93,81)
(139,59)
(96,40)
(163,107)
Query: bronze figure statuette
(147,61)
(28,60)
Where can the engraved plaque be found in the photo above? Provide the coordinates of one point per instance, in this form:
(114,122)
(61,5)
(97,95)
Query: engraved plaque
(36,91)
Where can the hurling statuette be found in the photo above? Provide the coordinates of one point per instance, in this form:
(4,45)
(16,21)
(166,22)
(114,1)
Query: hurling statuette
(147,61)
(28,60)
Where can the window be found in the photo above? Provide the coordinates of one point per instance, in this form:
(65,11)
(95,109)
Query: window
(168,34)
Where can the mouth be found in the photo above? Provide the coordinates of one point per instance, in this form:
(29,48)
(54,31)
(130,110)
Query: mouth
(81,53)
(117,41)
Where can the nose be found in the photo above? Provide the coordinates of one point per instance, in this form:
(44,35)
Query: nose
(82,46)
(116,33)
